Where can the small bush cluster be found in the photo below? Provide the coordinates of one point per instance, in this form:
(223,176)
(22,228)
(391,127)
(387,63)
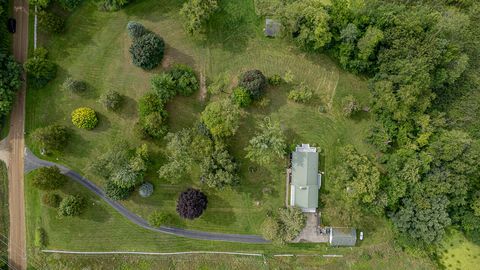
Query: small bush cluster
(157,219)
(241,97)
(219,169)
(350,106)
(71,206)
(254,82)
(40,239)
(111,100)
(275,80)
(181,79)
(74,86)
(85,118)
(51,199)
(302,94)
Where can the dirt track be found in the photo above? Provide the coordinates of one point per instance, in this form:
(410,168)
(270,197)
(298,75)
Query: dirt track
(17,239)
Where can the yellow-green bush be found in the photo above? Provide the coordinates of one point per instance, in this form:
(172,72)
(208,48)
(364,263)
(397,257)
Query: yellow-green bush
(84,117)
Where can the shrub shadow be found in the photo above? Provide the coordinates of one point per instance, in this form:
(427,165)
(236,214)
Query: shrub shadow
(128,108)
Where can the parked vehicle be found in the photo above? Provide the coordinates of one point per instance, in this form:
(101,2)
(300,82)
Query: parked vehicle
(12,25)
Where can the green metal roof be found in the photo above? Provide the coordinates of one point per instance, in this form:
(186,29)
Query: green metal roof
(305,181)
(343,237)
(305,168)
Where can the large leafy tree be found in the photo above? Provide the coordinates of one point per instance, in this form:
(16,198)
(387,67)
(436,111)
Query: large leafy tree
(48,178)
(307,21)
(10,73)
(219,169)
(196,14)
(359,176)
(39,68)
(268,144)
(222,118)
(423,218)
(51,138)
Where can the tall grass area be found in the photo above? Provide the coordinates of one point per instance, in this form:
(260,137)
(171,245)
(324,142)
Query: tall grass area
(457,252)
(4,221)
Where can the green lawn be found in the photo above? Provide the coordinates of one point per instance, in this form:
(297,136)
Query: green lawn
(457,252)
(95,49)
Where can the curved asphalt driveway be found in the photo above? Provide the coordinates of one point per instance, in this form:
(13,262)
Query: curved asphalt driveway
(32,162)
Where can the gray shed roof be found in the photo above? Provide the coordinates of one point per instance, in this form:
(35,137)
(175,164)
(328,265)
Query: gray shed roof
(343,237)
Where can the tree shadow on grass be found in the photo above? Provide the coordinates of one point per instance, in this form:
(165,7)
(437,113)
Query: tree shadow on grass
(232,26)
(94,211)
(103,123)
(128,108)
(75,147)
(219,211)
(175,56)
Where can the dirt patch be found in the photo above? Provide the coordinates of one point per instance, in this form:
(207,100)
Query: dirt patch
(203,88)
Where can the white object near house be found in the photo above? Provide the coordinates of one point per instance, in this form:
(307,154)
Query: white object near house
(361,236)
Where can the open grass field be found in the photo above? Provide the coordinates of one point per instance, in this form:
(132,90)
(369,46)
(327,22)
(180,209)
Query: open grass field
(457,252)
(95,49)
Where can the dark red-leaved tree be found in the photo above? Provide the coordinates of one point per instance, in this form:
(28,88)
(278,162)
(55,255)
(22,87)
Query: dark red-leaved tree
(191,203)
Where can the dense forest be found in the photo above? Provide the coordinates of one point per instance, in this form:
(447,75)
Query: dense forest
(422,61)
(9,69)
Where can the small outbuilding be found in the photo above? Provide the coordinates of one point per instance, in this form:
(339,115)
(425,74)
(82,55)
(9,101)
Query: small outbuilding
(272,28)
(345,237)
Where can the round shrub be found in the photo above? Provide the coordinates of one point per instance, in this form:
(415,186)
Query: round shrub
(254,82)
(185,79)
(157,219)
(150,103)
(275,80)
(145,190)
(191,203)
(135,29)
(73,85)
(241,97)
(51,199)
(48,178)
(111,100)
(155,124)
(71,206)
(85,118)
(147,51)
(164,86)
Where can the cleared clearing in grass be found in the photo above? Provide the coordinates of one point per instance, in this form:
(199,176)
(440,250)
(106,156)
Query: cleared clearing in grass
(457,252)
